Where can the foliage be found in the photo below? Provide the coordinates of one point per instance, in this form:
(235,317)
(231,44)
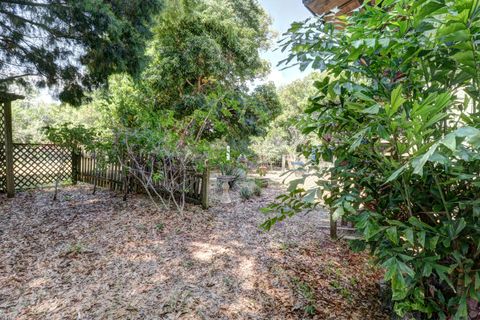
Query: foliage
(82,42)
(257,191)
(30,117)
(200,45)
(72,136)
(397,115)
(262,183)
(246,193)
(205,48)
(284,132)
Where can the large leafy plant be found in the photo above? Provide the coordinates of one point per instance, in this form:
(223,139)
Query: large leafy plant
(397,113)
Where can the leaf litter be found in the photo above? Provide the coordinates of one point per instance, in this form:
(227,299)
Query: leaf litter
(90,256)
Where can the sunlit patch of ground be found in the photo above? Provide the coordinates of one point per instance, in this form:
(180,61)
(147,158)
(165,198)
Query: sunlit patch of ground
(96,257)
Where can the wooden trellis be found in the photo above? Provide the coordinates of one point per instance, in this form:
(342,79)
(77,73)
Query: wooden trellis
(37,165)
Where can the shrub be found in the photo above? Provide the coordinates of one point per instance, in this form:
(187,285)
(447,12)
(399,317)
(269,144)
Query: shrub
(245,193)
(397,114)
(257,191)
(262,183)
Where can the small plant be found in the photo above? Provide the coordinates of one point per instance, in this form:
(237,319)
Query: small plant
(75,249)
(306,291)
(262,182)
(336,284)
(235,170)
(245,193)
(160,226)
(257,191)
(262,171)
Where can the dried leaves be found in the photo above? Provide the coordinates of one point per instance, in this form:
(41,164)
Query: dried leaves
(94,256)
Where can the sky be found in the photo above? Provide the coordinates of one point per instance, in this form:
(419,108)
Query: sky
(283,13)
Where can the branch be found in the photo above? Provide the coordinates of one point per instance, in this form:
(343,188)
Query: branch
(17,76)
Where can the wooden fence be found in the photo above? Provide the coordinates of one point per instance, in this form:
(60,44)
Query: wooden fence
(3,158)
(41,165)
(114,176)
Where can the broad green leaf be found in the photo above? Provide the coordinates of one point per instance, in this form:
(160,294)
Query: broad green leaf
(396,173)
(477,280)
(462,311)
(396,100)
(418,166)
(338,213)
(372,110)
(421,238)
(408,233)
(294,184)
(466,58)
(392,234)
(450,141)
(399,288)
(310,196)
(460,226)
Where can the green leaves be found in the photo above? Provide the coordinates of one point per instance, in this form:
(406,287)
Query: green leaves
(395,112)
(395,102)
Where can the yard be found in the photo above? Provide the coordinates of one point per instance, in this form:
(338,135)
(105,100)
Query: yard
(90,256)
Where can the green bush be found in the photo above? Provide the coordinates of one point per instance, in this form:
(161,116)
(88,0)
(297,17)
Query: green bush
(397,112)
(262,183)
(257,191)
(246,193)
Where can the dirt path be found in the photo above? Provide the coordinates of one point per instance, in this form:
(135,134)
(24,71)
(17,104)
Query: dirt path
(96,257)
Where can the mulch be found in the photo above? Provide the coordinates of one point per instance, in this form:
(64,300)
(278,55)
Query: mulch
(90,256)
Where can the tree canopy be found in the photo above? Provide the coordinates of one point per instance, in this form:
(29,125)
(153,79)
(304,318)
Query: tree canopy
(284,133)
(202,55)
(74,45)
(205,46)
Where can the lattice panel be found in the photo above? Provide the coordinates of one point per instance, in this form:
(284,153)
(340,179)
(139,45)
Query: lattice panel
(37,165)
(3,163)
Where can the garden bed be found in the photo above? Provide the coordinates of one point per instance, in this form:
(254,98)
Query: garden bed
(94,256)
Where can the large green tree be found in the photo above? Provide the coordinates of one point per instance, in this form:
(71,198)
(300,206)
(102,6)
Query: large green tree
(284,134)
(205,46)
(203,55)
(73,45)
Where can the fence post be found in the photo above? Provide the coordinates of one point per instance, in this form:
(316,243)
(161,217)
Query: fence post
(205,187)
(7,105)
(333,227)
(75,166)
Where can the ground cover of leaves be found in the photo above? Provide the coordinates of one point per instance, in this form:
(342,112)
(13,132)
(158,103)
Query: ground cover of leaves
(90,256)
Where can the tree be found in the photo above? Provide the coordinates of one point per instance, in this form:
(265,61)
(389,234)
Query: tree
(397,113)
(205,46)
(72,44)
(202,55)
(284,134)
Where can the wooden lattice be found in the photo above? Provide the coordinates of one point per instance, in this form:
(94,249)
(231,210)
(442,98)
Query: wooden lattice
(3,163)
(37,165)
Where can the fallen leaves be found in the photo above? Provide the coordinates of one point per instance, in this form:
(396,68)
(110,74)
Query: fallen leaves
(94,256)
